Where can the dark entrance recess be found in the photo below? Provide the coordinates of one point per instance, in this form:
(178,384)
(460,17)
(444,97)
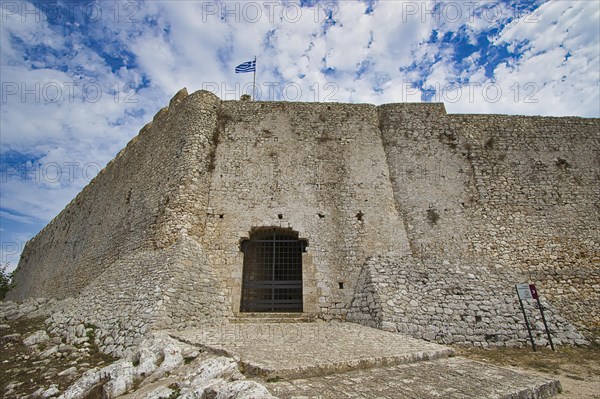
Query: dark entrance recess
(272,275)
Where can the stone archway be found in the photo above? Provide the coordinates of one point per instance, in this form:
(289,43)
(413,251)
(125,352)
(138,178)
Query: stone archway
(272,271)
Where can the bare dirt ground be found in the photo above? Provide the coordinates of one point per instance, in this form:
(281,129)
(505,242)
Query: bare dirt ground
(578,369)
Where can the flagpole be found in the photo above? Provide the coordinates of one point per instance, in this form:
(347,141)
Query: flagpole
(254,82)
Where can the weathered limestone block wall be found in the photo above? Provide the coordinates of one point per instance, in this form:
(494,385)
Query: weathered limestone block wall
(117,213)
(538,184)
(459,182)
(441,301)
(194,125)
(318,169)
(432,178)
(145,291)
(151,270)
(416,221)
(196,291)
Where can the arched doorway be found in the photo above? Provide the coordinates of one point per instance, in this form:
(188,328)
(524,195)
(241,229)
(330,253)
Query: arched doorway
(272,271)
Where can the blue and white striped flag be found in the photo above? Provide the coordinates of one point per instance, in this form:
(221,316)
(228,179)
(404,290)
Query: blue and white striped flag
(248,66)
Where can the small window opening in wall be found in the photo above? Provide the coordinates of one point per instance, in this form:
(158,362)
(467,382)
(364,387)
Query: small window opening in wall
(359,216)
(321,216)
(280,216)
(221,216)
(432,215)
(562,163)
(341,285)
(128,197)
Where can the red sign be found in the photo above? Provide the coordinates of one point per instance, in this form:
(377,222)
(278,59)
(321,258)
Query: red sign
(534,293)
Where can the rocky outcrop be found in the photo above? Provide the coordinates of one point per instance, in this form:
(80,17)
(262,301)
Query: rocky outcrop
(162,367)
(64,351)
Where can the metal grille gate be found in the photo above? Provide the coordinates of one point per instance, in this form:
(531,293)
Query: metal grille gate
(272,275)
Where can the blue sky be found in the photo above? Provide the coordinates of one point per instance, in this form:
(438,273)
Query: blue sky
(80,78)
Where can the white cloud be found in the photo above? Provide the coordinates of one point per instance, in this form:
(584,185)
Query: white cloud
(71,119)
(185,43)
(558,72)
(16,218)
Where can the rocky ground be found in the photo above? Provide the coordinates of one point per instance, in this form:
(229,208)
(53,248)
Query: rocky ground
(36,363)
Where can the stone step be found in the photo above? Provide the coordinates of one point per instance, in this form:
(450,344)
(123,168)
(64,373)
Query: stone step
(451,378)
(272,318)
(297,350)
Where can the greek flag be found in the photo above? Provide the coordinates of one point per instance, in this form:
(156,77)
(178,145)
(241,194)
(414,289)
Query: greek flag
(248,66)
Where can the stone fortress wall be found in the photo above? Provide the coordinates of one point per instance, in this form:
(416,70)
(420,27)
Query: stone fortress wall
(135,259)
(318,169)
(416,221)
(538,181)
(488,201)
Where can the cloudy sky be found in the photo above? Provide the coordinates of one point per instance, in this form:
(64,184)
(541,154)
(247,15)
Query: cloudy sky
(80,78)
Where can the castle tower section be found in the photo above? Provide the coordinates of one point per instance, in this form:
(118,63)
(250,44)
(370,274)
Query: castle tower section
(432,179)
(488,201)
(316,169)
(136,203)
(537,185)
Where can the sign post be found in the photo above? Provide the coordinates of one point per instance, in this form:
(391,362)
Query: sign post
(523,292)
(535,295)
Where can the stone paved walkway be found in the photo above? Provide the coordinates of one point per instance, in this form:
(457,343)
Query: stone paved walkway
(322,360)
(454,378)
(290,350)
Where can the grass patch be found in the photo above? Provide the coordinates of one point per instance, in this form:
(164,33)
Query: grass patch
(176,391)
(188,360)
(573,362)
